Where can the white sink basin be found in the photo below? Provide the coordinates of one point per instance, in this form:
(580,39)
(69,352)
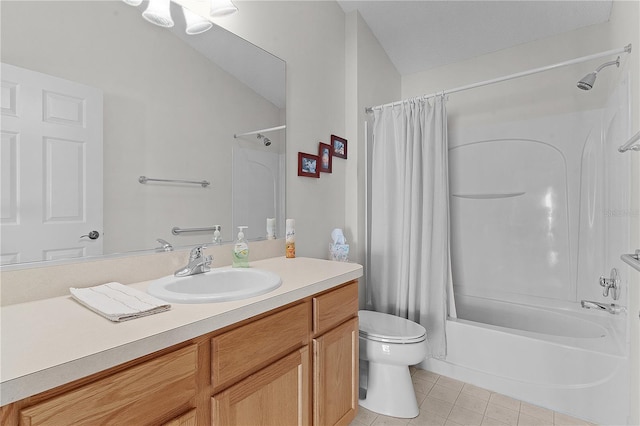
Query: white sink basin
(217,285)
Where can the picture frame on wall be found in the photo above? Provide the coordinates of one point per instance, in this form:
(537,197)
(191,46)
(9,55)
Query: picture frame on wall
(308,165)
(325,154)
(339,146)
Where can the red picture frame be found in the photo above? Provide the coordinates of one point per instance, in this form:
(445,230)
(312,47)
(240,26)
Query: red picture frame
(339,146)
(325,157)
(308,165)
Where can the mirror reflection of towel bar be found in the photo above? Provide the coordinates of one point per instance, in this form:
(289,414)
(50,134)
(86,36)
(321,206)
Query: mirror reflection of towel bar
(144,179)
(632,144)
(489,196)
(632,260)
(178,231)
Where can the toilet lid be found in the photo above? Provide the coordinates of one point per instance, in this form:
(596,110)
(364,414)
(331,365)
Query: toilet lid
(389,328)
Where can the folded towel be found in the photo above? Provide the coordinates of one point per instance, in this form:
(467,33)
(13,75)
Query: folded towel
(118,302)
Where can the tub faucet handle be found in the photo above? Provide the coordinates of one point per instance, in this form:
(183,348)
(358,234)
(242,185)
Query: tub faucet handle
(613,283)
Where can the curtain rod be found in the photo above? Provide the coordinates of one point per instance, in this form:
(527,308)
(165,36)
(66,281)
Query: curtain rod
(255,132)
(625,49)
(631,144)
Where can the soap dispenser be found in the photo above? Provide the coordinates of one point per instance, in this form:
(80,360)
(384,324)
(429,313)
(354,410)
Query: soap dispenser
(241,250)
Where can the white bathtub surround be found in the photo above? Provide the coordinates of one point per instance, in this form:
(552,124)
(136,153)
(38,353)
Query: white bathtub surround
(539,211)
(560,359)
(409,208)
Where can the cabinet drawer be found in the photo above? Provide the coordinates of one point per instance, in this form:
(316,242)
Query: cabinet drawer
(141,395)
(244,350)
(334,307)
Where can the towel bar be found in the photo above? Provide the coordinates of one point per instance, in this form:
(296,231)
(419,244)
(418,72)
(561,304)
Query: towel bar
(632,260)
(178,231)
(144,179)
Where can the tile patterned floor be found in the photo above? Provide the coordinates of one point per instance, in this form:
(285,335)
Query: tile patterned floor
(447,402)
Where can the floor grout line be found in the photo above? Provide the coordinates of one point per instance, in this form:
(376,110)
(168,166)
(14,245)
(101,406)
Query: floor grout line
(502,402)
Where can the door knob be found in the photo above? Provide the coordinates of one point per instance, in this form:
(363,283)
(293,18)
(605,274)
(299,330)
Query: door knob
(93,235)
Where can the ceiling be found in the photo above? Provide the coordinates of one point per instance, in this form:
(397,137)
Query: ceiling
(422,34)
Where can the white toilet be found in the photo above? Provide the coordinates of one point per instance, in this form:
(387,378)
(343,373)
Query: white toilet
(390,344)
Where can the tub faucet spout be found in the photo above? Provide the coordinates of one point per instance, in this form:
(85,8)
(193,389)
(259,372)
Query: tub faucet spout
(612,308)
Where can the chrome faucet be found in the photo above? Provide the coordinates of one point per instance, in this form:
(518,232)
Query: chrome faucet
(612,283)
(611,308)
(198,263)
(165,245)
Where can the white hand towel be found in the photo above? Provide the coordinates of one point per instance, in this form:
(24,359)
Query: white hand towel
(118,302)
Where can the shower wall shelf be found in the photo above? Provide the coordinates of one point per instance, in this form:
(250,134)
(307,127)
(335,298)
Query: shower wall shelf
(489,196)
(632,260)
(203,183)
(632,144)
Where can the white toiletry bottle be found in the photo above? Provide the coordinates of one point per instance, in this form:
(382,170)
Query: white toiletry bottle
(271,228)
(241,250)
(217,235)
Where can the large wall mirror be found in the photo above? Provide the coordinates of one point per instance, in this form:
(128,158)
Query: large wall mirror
(94,98)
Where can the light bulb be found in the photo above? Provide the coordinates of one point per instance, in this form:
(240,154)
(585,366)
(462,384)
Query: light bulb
(159,12)
(196,24)
(222,8)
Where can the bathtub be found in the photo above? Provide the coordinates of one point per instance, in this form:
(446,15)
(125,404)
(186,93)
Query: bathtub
(567,360)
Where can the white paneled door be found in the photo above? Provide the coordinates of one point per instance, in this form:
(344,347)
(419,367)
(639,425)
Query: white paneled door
(50,167)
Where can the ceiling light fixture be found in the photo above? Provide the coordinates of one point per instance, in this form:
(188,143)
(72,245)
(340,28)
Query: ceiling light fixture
(159,13)
(222,8)
(196,24)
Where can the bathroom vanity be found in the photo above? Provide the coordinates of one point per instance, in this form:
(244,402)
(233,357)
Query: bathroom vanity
(287,357)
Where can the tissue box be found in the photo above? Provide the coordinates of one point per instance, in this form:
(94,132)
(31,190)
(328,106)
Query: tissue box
(339,252)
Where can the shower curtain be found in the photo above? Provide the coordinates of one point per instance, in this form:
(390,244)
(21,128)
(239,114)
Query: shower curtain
(409,273)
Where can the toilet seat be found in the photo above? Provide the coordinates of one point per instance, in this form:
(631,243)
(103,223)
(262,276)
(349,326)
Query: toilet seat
(387,328)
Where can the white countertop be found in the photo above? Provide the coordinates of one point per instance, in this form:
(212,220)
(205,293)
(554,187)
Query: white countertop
(47,343)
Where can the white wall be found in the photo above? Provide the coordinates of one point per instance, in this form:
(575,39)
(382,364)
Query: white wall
(309,36)
(371,79)
(167,114)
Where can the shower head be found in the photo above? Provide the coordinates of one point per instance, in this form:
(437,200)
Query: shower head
(587,82)
(265,139)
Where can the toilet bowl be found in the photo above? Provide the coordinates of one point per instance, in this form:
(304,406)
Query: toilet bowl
(390,344)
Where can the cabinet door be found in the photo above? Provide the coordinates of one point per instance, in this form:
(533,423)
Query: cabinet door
(276,395)
(335,375)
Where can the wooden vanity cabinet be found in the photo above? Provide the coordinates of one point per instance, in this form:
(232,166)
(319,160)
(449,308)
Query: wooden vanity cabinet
(279,394)
(268,360)
(187,419)
(147,393)
(335,356)
(295,365)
